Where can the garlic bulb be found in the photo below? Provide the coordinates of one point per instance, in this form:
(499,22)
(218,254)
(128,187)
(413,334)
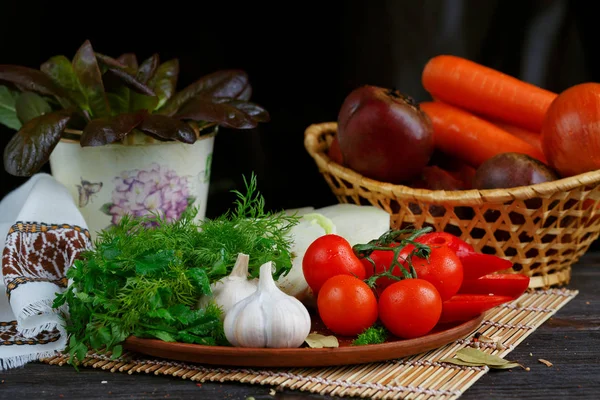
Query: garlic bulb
(227,291)
(268,317)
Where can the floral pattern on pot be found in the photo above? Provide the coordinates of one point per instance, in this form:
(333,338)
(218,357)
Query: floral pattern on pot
(156,190)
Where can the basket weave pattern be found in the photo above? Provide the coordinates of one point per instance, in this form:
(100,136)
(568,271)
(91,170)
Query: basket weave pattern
(542,229)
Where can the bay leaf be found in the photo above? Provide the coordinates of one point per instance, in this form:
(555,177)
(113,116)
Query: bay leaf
(318,341)
(472,355)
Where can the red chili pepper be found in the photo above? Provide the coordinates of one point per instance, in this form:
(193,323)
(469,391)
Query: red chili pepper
(476,265)
(446,239)
(513,285)
(463,307)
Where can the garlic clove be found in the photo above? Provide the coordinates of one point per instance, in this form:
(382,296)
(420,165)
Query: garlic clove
(267,318)
(233,288)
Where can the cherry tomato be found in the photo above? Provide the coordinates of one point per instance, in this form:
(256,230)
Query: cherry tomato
(347,305)
(382,260)
(443,269)
(443,238)
(328,256)
(410,308)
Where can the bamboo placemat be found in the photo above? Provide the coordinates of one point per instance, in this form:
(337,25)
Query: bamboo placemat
(422,375)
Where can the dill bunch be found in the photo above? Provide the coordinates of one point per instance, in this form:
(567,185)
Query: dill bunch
(145,275)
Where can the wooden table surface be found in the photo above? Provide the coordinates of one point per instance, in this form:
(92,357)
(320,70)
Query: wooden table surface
(570,340)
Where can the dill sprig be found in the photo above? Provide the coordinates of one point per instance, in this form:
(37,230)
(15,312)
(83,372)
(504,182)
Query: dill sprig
(145,276)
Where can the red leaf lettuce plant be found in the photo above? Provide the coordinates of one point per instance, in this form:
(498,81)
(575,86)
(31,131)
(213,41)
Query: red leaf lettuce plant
(108,99)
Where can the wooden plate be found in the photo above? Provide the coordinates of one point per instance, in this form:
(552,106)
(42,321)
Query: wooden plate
(303,356)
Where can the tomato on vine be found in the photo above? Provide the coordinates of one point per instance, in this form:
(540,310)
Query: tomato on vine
(328,256)
(442,268)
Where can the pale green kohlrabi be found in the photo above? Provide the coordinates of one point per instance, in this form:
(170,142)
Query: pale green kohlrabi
(310,227)
(357,224)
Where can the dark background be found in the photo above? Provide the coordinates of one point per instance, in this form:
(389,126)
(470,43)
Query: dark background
(303,58)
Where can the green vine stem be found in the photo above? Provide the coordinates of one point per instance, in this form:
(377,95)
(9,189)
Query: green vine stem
(392,241)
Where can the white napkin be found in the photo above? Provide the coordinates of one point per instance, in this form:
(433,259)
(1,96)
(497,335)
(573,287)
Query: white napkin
(45,233)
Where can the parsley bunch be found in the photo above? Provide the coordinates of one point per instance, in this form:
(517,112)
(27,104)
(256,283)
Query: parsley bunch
(146,281)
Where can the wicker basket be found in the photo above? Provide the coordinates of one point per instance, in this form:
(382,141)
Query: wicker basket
(543,229)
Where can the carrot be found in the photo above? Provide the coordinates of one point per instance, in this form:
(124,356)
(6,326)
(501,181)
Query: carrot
(486,91)
(472,139)
(533,138)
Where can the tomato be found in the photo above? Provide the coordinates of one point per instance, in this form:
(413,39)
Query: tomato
(443,269)
(570,133)
(328,256)
(382,259)
(443,238)
(347,305)
(410,308)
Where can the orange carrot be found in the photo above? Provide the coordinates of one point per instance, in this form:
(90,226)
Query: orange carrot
(533,138)
(486,91)
(472,139)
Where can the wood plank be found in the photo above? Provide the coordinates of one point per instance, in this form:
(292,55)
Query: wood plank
(570,340)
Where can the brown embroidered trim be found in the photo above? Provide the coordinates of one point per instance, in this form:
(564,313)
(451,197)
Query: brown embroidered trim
(30,341)
(10,337)
(34,227)
(12,285)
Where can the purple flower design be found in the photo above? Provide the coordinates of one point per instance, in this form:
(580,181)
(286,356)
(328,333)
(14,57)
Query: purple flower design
(153,191)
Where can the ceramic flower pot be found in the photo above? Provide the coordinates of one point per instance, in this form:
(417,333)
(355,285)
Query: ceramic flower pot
(140,178)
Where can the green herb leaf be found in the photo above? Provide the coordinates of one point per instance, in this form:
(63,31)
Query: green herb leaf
(199,279)
(8,110)
(225,83)
(203,109)
(131,287)
(148,68)
(60,70)
(29,79)
(29,149)
(168,128)
(154,262)
(88,73)
(129,60)
(164,81)
(31,105)
(103,131)
(117,351)
(371,335)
